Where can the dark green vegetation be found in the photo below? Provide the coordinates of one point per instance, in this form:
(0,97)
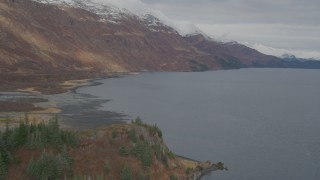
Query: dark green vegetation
(126,174)
(142,151)
(49,166)
(52,143)
(144,148)
(134,151)
(173,177)
(38,137)
(153,130)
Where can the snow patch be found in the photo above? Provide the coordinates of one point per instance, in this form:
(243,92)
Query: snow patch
(113,11)
(106,11)
(284,53)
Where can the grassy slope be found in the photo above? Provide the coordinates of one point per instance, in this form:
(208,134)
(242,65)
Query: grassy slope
(98,154)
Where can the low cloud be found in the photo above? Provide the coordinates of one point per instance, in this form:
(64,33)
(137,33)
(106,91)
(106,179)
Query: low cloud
(291,37)
(282,52)
(293,25)
(139,7)
(287,24)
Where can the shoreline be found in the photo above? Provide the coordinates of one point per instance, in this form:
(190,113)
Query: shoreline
(70,106)
(87,108)
(72,119)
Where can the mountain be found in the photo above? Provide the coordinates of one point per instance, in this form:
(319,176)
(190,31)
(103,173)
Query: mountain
(232,54)
(43,38)
(49,41)
(284,53)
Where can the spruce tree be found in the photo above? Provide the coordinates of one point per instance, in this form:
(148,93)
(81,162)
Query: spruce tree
(126,174)
(3,167)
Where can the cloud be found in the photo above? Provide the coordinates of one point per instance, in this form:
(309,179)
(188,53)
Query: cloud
(293,25)
(241,11)
(282,52)
(139,7)
(284,24)
(183,27)
(292,37)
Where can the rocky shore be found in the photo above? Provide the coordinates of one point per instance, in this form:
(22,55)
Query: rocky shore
(74,110)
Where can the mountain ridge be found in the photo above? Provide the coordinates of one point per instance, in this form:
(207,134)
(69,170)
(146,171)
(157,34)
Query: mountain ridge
(85,41)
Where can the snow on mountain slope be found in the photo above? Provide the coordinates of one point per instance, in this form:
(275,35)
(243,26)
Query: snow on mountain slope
(155,24)
(106,11)
(114,11)
(284,53)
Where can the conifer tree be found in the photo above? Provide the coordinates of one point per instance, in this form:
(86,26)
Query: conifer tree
(126,174)
(3,167)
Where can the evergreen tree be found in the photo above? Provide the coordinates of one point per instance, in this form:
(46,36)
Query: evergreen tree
(143,152)
(123,151)
(3,167)
(114,133)
(21,134)
(126,174)
(133,135)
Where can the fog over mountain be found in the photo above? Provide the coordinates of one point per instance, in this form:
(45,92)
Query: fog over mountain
(288,24)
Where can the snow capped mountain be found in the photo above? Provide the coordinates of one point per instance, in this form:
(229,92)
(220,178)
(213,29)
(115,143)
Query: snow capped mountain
(114,11)
(107,11)
(154,24)
(284,53)
(197,31)
(117,11)
(94,36)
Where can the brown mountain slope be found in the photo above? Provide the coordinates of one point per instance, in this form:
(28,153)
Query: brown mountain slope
(46,44)
(233,55)
(40,38)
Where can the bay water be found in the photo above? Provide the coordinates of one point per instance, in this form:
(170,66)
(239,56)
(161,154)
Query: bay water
(263,124)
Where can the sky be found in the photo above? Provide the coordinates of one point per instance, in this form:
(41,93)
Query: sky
(285,25)
(273,27)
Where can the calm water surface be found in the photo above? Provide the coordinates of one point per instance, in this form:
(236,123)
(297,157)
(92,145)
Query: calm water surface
(264,124)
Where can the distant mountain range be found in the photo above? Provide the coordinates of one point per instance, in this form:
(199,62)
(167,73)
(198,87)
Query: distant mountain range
(284,53)
(80,36)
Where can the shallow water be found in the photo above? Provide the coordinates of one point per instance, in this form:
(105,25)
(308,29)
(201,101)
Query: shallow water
(262,123)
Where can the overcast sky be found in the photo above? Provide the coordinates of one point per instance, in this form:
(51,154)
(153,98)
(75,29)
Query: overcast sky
(286,24)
